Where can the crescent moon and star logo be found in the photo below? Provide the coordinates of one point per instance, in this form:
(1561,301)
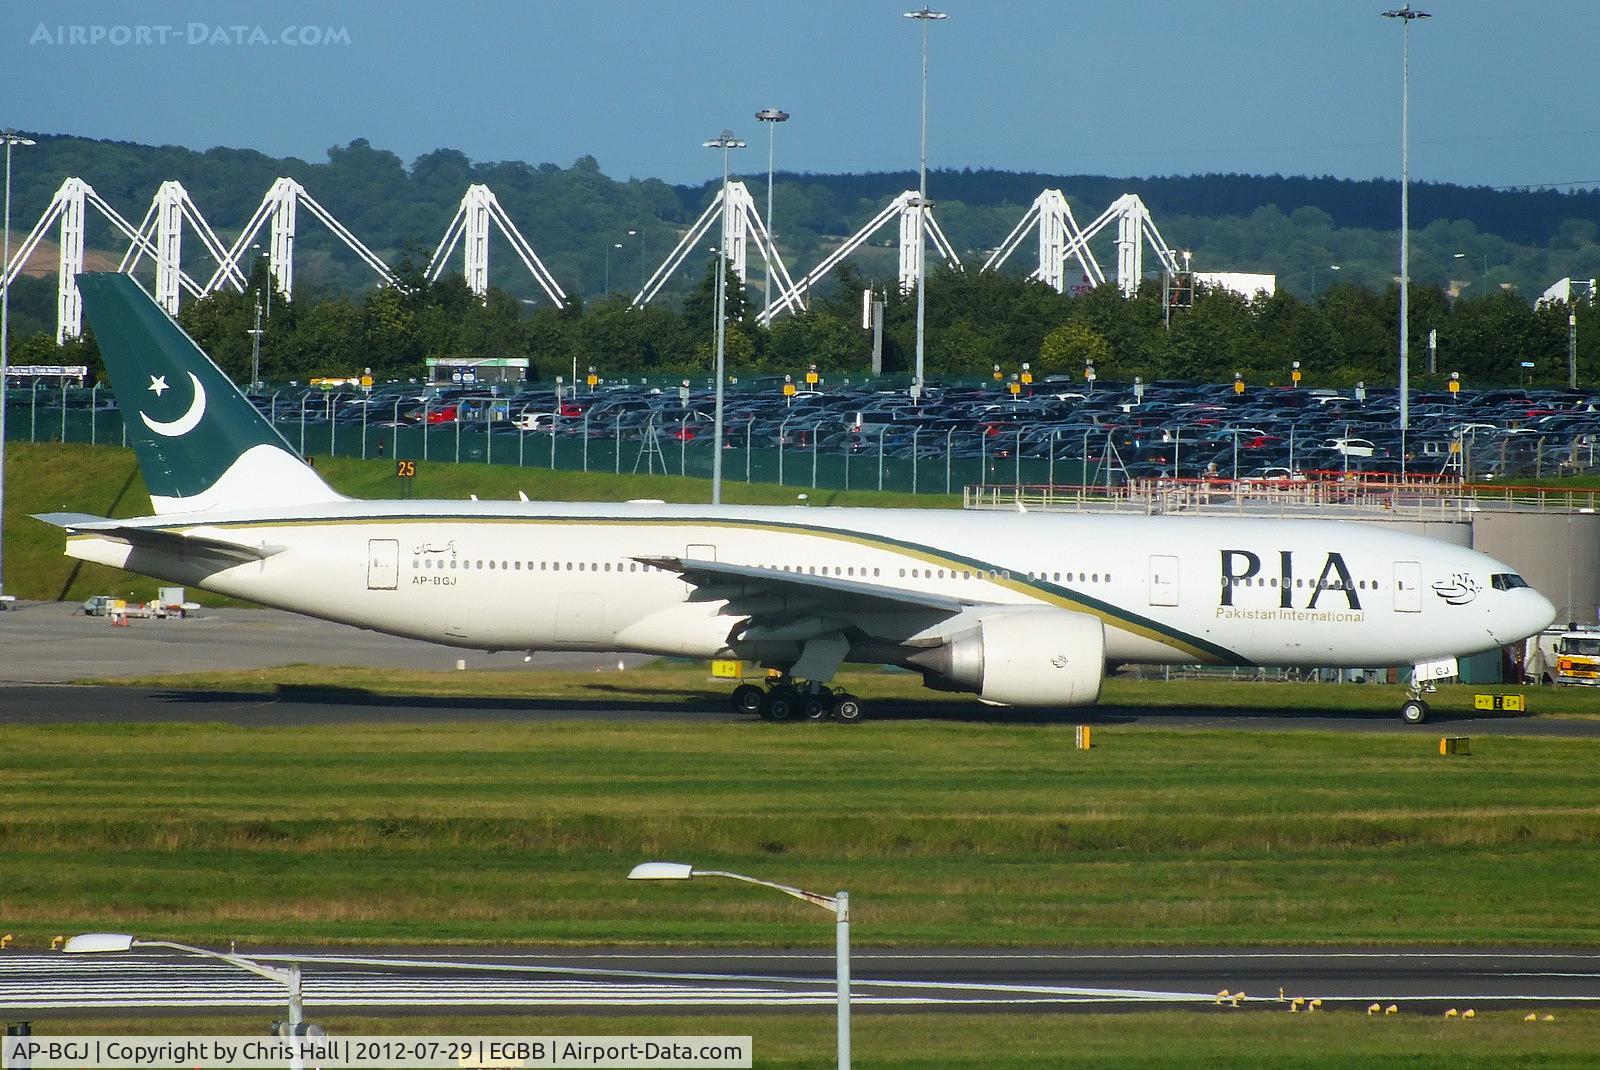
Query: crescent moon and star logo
(185,423)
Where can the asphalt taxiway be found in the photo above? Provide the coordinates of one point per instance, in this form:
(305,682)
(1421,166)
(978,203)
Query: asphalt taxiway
(401,980)
(332,705)
(55,642)
(44,645)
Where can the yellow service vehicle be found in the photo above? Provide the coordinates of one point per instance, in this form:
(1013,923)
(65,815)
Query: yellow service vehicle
(1569,655)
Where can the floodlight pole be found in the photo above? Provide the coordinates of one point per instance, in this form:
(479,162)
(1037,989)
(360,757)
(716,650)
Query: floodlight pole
(839,905)
(724,141)
(924,15)
(772,117)
(288,976)
(609,246)
(255,348)
(10,137)
(1406,15)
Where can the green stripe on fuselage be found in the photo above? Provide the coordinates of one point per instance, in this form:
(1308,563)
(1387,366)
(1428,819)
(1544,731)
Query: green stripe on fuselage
(1114,615)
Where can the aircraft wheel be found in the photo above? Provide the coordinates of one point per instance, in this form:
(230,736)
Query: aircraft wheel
(847,709)
(747,698)
(816,707)
(1415,711)
(780,704)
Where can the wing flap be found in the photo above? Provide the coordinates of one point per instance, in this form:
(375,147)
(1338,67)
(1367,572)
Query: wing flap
(798,593)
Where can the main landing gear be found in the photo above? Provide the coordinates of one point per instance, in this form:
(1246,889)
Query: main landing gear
(786,700)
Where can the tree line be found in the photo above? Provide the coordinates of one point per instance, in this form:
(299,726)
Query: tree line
(975,321)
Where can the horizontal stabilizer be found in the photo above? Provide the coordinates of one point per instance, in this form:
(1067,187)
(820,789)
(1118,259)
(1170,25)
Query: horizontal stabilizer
(165,540)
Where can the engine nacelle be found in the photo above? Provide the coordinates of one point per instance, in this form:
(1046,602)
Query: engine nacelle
(1024,657)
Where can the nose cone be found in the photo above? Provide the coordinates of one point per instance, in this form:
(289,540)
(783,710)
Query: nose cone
(1541,614)
(1526,612)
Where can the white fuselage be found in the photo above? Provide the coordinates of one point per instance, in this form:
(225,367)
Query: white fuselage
(560,576)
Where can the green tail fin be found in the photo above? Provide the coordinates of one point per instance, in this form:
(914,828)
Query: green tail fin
(201,444)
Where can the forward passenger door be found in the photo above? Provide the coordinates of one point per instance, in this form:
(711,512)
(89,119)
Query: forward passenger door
(1407,587)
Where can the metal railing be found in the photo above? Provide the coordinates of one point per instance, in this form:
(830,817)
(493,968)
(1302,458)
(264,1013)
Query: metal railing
(1053,469)
(1310,497)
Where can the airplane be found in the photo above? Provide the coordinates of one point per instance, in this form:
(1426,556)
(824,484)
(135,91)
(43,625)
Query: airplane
(1021,609)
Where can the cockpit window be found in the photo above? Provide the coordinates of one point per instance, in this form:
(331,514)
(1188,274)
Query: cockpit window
(1507,581)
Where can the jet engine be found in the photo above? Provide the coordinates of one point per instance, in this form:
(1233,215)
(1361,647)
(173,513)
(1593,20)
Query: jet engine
(1022,657)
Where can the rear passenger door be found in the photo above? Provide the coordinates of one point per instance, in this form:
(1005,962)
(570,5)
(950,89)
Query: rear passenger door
(383,564)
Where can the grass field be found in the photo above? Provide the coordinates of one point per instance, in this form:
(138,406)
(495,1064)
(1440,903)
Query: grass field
(1140,1041)
(104,480)
(945,833)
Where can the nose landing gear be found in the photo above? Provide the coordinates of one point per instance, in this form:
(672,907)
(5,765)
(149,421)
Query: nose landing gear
(1424,681)
(1414,711)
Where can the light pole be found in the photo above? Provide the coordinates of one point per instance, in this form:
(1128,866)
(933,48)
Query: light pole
(1331,267)
(1406,15)
(288,976)
(10,137)
(255,348)
(724,141)
(1572,347)
(609,246)
(635,234)
(838,904)
(1483,275)
(772,117)
(925,15)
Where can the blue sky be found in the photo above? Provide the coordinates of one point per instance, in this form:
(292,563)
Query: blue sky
(1130,87)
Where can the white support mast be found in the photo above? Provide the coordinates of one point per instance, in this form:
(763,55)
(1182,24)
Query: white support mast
(169,210)
(1134,228)
(1060,238)
(280,254)
(479,209)
(911,220)
(69,208)
(744,224)
(69,302)
(280,205)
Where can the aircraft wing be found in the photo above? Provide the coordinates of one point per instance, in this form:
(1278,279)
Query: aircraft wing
(772,595)
(165,540)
